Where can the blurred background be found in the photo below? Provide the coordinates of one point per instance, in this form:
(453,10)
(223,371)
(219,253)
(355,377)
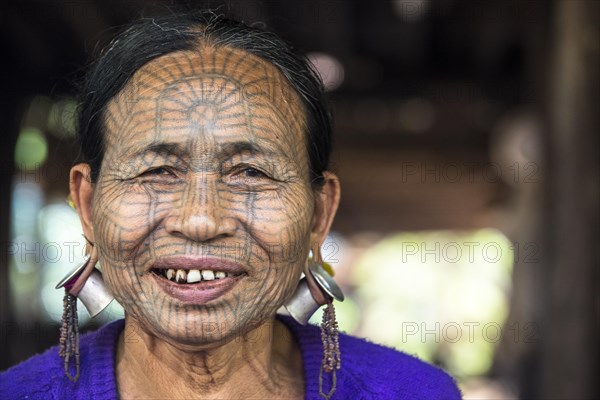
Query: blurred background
(466,143)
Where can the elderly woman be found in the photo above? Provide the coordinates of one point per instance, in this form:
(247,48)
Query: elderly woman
(204,193)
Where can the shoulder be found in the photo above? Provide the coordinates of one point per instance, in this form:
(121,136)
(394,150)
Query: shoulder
(33,378)
(43,377)
(394,374)
(373,371)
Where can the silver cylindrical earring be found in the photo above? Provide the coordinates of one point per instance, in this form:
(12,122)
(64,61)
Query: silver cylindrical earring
(302,305)
(95,297)
(93,294)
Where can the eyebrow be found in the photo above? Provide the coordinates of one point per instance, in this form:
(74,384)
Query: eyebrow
(225,151)
(162,148)
(232,148)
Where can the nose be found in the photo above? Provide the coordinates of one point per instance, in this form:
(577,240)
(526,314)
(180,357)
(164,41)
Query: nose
(201,213)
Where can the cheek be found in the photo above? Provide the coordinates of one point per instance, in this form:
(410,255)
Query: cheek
(283,232)
(123,219)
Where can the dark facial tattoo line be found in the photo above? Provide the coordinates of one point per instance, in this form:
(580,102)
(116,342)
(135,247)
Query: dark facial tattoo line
(225,151)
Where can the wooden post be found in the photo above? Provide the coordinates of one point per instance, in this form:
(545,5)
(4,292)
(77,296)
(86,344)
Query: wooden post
(568,364)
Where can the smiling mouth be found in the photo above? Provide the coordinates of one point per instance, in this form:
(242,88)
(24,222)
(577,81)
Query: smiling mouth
(193,276)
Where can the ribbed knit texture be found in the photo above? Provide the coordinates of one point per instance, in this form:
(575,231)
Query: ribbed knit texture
(43,375)
(368,371)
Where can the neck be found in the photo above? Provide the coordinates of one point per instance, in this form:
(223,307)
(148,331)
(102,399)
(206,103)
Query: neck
(262,363)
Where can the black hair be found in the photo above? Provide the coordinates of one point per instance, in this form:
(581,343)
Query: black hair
(150,38)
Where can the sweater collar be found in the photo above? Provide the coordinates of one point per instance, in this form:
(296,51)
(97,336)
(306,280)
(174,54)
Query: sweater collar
(103,349)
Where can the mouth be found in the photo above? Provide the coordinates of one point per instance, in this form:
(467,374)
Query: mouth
(197,281)
(192,276)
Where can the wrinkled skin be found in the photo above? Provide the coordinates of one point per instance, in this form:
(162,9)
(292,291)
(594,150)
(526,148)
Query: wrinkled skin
(205,156)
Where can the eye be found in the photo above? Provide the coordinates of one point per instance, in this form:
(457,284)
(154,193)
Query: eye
(250,172)
(248,175)
(156,171)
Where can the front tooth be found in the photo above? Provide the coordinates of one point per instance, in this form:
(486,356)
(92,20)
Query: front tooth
(220,274)
(170,273)
(193,276)
(208,275)
(180,276)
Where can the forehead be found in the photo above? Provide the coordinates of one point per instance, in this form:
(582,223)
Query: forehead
(211,92)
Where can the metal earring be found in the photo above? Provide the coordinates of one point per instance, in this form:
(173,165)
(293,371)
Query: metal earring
(331,349)
(84,282)
(302,305)
(69,335)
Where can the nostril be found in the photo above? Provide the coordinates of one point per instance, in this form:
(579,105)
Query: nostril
(200,227)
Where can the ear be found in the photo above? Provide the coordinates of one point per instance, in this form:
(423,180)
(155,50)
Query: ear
(82,191)
(326,205)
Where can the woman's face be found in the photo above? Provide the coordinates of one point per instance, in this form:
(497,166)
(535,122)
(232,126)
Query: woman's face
(205,168)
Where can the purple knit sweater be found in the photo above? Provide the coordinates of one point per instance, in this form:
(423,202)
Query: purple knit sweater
(368,371)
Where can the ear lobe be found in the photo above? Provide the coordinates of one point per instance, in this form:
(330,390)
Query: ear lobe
(82,191)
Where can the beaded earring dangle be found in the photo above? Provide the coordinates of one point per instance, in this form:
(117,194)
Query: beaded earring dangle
(86,284)
(302,306)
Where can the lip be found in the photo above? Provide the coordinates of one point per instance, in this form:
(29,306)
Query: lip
(187,263)
(202,292)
